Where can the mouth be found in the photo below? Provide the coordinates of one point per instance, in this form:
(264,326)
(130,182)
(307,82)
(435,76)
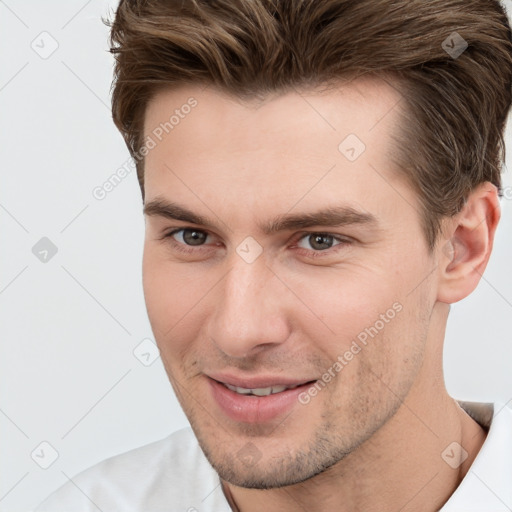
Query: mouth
(256,401)
(271,390)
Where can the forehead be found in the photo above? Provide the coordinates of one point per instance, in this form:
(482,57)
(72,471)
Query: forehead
(302,146)
(358,106)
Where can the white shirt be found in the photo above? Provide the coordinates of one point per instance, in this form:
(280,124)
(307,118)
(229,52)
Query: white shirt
(173,475)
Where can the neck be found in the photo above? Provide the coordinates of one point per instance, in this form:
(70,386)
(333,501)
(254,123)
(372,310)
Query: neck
(407,465)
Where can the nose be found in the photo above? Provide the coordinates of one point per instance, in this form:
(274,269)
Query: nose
(250,310)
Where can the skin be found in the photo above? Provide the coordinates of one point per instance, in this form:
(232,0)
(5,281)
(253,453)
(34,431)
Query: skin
(372,438)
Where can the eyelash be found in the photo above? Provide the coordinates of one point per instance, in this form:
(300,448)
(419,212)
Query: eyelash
(310,253)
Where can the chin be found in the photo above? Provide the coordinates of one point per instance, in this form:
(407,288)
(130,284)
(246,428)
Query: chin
(271,472)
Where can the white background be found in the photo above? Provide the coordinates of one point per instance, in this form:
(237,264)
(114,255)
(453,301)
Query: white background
(68,327)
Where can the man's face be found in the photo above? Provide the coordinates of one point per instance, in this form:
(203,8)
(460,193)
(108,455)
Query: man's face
(232,301)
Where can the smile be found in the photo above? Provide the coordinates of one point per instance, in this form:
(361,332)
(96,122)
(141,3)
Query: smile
(256,404)
(260,391)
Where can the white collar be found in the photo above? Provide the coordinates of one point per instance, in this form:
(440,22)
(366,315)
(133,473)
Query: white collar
(487,485)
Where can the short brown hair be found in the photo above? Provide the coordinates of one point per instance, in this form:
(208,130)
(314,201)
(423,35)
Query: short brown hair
(451,137)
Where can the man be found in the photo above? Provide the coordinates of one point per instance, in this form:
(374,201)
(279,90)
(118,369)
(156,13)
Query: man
(320,180)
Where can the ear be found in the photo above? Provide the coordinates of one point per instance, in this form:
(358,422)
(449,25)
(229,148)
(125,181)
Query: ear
(466,247)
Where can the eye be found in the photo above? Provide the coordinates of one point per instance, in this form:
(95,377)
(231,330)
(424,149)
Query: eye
(190,236)
(185,239)
(311,245)
(320,243)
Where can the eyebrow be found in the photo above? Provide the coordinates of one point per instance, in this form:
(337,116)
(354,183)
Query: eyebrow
(333,216)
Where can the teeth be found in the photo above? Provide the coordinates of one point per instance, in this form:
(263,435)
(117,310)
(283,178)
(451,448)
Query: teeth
(259,391)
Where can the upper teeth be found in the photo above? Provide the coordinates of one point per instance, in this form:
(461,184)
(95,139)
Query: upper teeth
(259,391)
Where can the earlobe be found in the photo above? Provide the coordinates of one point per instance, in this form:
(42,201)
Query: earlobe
(463,256)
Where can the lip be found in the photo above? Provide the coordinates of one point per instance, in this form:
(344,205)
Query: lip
(255,409)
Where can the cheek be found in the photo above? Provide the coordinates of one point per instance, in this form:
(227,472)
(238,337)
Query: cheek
(349,301)
(156,290)
(178,303)
(168,292)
